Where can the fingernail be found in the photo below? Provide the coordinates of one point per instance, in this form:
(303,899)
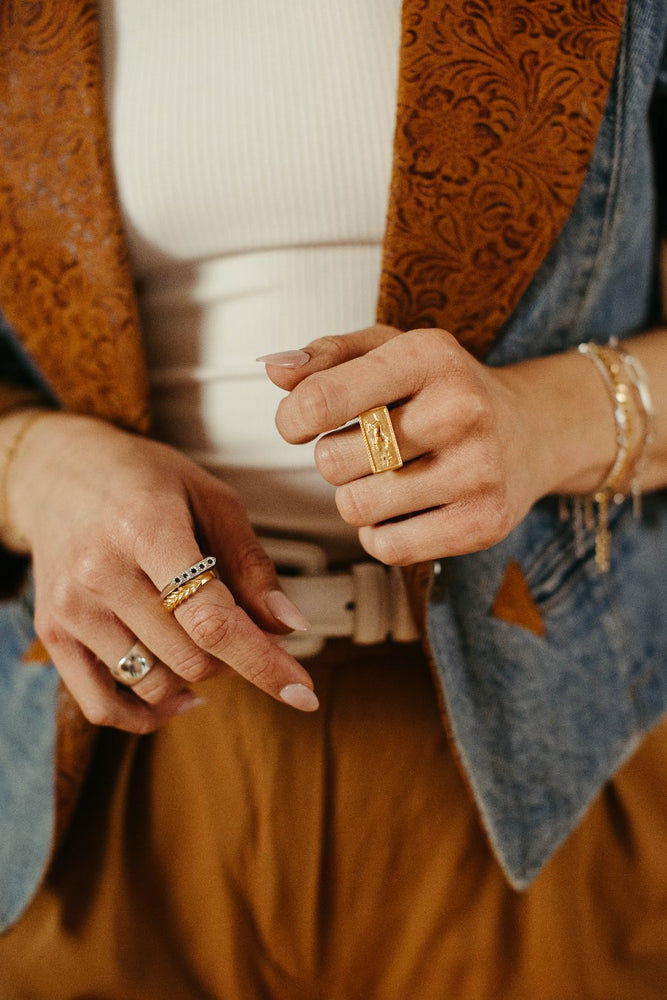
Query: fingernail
(286,359)
(188,702)
(285,611)
(299,696)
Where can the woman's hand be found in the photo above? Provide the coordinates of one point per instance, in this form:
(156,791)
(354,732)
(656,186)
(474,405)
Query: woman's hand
(480,445)
(110,519)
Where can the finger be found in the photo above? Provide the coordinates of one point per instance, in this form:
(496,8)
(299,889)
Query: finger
(415,487)
(289,367)
(164,545)
(136,600)
(105,636)
(394,371)
(462,473)
(244,566)
(102,701)
(342,456)
(209,635)
(160,685)
(458,529)
(221,628)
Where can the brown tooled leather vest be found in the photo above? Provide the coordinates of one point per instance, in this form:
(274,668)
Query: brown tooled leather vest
(499,104)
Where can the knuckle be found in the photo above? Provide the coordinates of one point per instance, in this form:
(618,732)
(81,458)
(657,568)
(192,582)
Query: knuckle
(259,673)
(329,459)
(156,687)
(64,600)
(48,630)
(134,521)
(479,411)
(331,350)
(210,626)
(139,524)
(110,716)
(194,667)
(251,560)
(351,506)
(315,403)
(389,550)
(97,711)
(500,517)
(90,568)
(441,352)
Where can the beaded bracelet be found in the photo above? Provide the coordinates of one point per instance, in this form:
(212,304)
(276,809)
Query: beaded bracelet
(627,385)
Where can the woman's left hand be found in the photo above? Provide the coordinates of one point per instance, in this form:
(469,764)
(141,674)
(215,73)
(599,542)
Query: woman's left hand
(471,438)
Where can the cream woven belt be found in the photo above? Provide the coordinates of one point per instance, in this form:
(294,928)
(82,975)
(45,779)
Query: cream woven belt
(368,603)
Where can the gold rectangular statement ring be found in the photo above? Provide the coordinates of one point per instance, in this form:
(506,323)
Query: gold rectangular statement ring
(380,439)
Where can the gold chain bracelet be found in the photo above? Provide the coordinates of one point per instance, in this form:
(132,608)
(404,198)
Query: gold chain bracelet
(627,386)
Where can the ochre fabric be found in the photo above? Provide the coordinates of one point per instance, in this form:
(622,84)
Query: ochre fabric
(250,851)
(522,87)
(499,106)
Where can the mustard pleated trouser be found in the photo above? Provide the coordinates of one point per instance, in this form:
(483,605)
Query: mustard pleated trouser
(249,852)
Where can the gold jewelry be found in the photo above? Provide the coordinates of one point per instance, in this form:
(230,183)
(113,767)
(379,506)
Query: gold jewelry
(11,537)
(627,386)
(208,562)
(134,666)
(380,440)
(639,380)
(186,590)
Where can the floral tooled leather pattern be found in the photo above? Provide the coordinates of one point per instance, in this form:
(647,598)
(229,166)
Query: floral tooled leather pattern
(64,280)
(499,104)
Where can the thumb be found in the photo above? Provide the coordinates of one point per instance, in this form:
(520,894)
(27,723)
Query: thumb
(288,368)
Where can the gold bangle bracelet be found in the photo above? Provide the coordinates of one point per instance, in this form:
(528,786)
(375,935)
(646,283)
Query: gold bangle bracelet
(630,399)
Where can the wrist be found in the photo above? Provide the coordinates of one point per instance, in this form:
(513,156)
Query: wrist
(565,408)
(15,429)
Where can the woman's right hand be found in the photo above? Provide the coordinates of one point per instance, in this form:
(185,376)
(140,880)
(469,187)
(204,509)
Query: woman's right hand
(110,518)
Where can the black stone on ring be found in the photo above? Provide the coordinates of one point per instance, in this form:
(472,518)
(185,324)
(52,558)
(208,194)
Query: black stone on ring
(206,564)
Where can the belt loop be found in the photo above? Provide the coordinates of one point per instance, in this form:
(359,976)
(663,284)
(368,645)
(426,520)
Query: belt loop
(372,604)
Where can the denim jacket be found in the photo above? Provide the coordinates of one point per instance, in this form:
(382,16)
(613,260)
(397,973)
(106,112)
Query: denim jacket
(539,722)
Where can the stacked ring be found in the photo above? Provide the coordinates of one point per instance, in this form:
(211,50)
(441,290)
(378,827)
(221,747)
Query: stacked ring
(191,573)
(175,597)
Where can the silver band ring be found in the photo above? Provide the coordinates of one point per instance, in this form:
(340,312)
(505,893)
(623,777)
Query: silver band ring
(191,573)
(134,666)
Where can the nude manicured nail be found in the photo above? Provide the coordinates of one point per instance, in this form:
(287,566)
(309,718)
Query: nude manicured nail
(285,611)
(286,359)
(299,696)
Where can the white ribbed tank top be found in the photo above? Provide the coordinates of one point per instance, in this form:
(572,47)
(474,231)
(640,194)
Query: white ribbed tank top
(251,144)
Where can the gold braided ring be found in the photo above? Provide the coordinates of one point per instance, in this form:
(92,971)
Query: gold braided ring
(186,590)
